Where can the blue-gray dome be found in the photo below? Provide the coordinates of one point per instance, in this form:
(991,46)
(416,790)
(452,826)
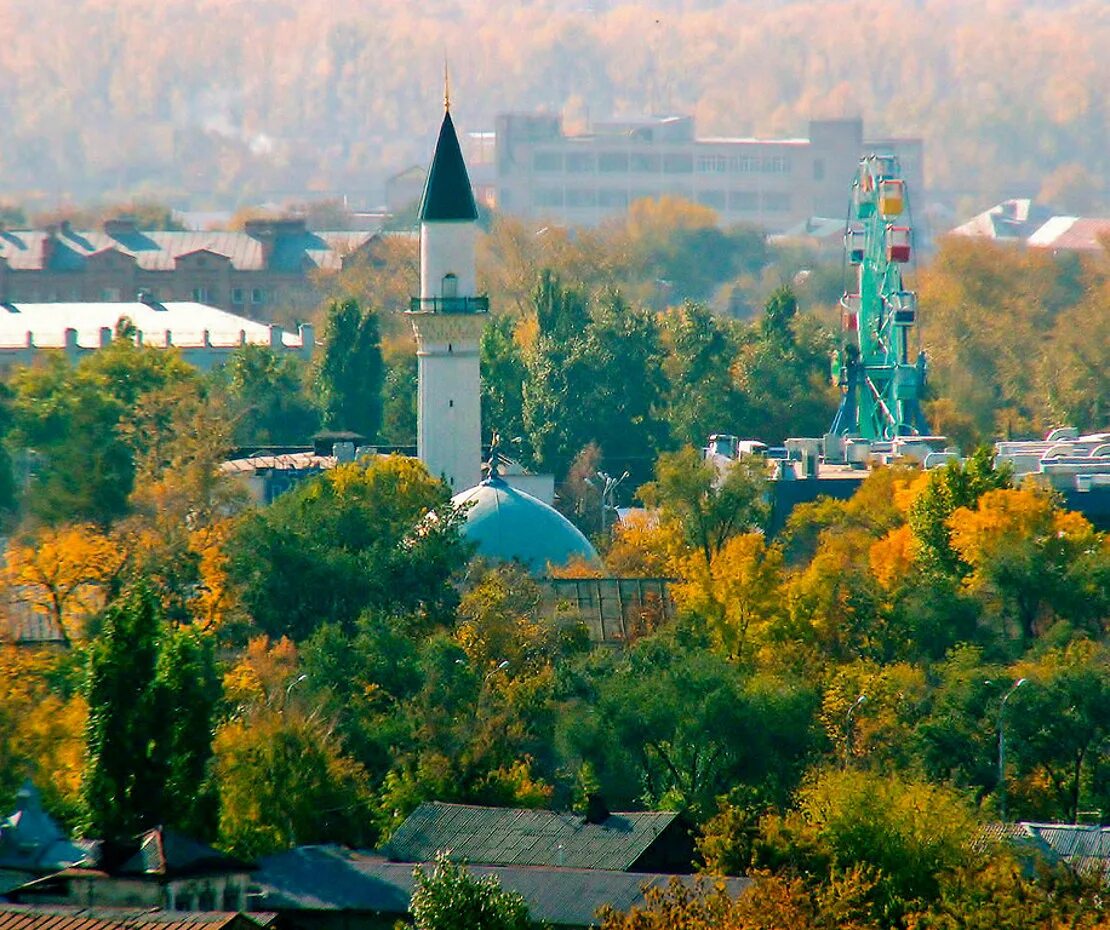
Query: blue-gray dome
(507,524)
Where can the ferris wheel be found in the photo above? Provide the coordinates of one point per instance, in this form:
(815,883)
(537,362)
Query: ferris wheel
(881,388)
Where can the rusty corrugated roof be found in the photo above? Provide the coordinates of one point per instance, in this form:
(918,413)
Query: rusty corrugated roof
(60,917)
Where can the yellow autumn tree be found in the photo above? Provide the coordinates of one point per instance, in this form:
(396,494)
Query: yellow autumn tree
(1031,562)
(63,574)
(739,594)
(40,730)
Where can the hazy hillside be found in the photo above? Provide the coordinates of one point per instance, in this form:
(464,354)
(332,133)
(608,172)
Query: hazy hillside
(243,98)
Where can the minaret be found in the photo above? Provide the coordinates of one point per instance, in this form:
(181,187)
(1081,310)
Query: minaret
(447,319)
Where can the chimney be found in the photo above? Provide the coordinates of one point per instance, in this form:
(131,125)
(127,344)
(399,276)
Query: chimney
(49,240)
(119,226)
(596,809)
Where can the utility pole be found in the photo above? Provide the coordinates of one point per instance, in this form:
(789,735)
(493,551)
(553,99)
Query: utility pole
(1002,746)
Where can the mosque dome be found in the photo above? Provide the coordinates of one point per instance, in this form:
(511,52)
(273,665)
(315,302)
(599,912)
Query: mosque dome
(507,524)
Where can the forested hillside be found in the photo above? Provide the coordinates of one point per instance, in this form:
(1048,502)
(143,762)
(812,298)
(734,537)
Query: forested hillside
(232,100)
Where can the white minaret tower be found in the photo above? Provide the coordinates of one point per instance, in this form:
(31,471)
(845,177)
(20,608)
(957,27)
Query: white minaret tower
(447,319)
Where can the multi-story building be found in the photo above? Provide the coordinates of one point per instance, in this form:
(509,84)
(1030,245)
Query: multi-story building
(541,172)
(267,265)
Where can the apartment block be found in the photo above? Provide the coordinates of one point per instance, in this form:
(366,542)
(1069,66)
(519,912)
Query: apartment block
(539,171)
(269,264)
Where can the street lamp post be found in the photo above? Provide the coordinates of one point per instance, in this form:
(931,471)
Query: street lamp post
(607,486)
(1002,746)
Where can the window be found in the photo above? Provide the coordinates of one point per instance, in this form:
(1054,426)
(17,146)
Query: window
(775,202)
(547,161)
(581,198)
(258,295)
(715,199)
(612,162)
(548,196)
(712,164)
(743,200)
(450,285)
(236,295)
(109,293)
(678,163)
(743,164)
(607,197)
(580,162)
(200,295)
(644,163)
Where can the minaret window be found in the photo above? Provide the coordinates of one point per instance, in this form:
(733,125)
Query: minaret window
(450,285)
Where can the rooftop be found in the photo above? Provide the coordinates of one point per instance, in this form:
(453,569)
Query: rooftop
(508,524)
(186,322)
(448,195)
(507,836)
(282,245)
(328,878)
(58,917)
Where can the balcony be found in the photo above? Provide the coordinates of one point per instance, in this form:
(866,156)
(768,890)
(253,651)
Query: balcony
(449,305)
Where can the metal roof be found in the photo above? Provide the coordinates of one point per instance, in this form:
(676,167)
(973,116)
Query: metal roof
(1083,847)
(506,836)
(69,249)
(328,878)
(447,191)
(58,917)
(185,321)
(509,524)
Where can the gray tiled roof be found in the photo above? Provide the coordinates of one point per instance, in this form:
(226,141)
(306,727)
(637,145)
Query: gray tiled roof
(1084,847)
(293,253)
(327,878)
(505,836)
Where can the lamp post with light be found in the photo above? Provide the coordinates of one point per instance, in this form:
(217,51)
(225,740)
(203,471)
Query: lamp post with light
(1002,746)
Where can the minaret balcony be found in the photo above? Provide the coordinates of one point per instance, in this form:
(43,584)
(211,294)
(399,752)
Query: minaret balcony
(468,305)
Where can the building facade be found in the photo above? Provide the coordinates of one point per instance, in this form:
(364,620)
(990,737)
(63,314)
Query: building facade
(541,172)
(270,263)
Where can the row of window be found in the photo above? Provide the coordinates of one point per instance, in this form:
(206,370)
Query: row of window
(744,164)
(654,163)
(735,201)
(239,295)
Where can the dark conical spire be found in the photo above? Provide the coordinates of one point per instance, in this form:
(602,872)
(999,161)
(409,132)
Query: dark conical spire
(447,192)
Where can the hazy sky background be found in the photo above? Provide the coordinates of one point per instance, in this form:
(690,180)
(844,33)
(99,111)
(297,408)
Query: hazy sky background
(227,101)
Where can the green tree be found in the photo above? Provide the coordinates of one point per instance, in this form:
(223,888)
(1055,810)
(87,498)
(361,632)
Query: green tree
(361,536)
(958,484)
(349,372)
(908,834)
(151,694)
(711,509)
(399,397)
(703,398)
(783,371)
(503,374)
(266,397)
(284,780)
(633,721)
(69,417)
(450,898)
(594,375)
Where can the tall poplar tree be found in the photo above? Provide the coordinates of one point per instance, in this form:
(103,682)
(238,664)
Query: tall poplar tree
(350,372)
(151,692)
